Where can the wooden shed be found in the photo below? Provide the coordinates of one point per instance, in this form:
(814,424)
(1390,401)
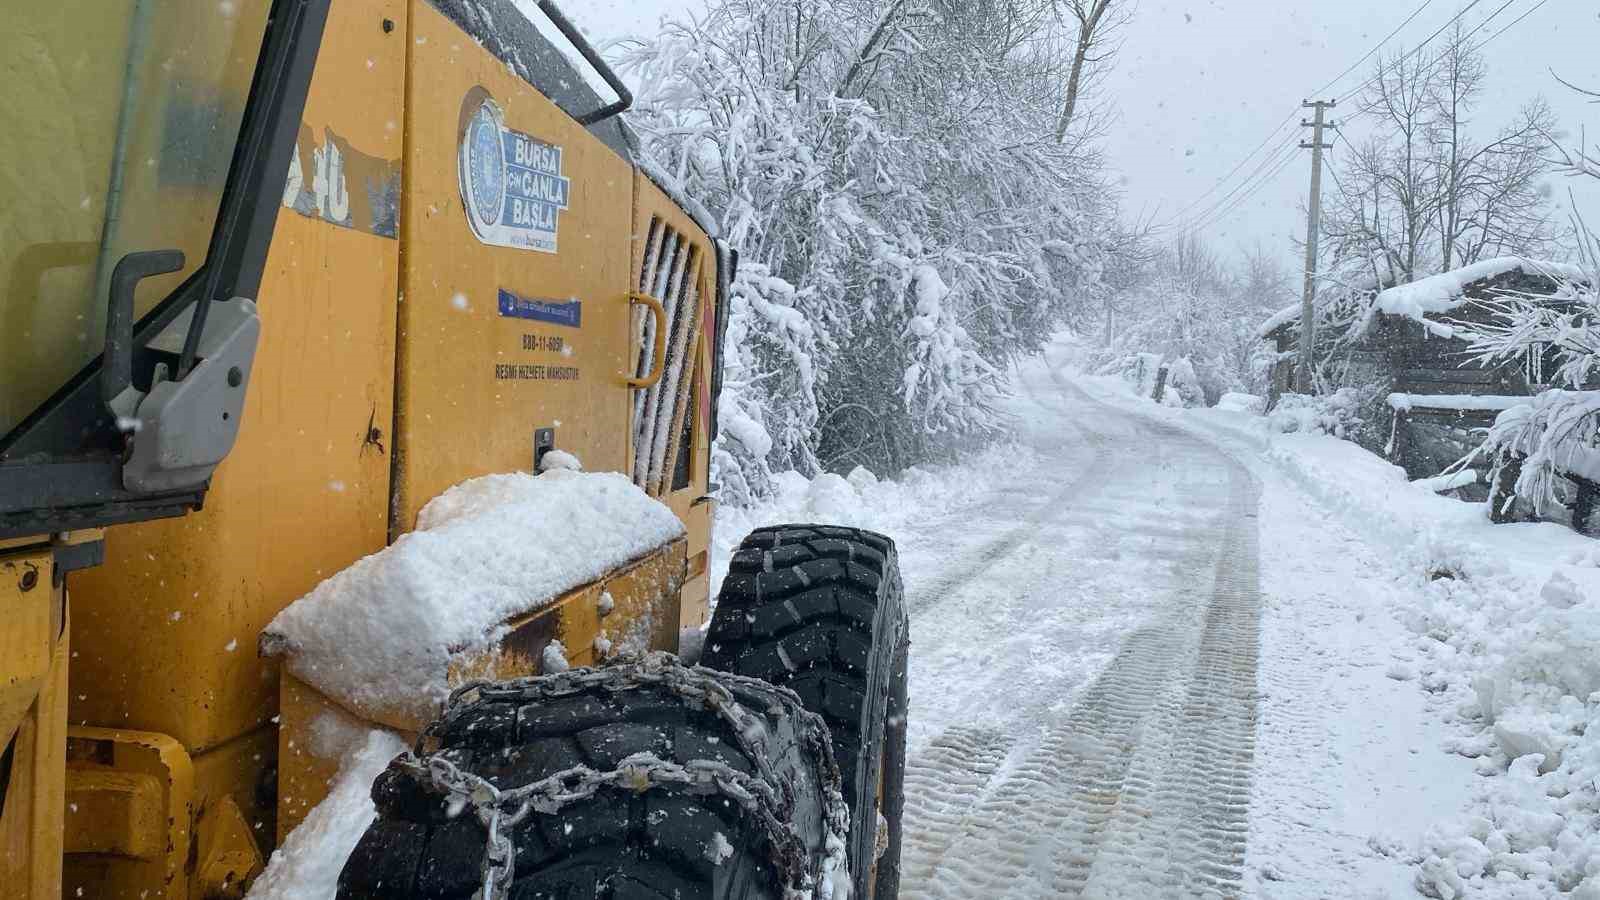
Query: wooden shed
(1401,344)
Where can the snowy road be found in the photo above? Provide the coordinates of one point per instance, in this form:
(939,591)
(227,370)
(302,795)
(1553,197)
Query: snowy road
(1083,672)
(1148,663)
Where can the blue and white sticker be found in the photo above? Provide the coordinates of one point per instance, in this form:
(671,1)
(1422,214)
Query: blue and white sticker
(512,185)
(557,312)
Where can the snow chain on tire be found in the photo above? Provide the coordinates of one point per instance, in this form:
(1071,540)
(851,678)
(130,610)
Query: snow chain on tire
(820,609)
(767,796)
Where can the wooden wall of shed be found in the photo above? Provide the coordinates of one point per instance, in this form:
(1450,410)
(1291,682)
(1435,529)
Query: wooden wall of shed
(1426,363)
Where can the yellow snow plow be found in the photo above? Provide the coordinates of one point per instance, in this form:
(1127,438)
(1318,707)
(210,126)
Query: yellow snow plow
(359,379)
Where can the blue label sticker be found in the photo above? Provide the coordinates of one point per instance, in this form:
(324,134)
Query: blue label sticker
(557,312)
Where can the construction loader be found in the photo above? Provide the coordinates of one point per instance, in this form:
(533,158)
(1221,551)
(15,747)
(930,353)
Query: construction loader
(275,276)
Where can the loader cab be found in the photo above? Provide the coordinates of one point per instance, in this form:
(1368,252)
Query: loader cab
(139,137)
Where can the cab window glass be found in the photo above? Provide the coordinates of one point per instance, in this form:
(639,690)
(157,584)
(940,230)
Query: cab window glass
(120,142)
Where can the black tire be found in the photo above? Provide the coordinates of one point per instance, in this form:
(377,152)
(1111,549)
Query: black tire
(667,842)
(820,609)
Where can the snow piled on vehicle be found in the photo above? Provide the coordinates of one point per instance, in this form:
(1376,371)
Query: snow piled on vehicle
(307,866)
(378,637)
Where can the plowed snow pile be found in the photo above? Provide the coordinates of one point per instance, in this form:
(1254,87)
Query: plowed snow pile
(1505,623)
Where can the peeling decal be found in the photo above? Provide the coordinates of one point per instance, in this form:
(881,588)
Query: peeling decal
(335,182)
(512,187)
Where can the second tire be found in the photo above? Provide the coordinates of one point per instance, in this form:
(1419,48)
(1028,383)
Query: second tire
(820,609)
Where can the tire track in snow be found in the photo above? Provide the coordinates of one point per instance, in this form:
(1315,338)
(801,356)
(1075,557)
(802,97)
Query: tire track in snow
(1144,790)
(979,561)
(942,783)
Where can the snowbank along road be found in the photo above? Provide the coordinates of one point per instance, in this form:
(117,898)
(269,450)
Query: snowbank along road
(1084,672)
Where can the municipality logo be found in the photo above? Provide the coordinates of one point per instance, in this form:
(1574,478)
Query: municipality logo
(512,186)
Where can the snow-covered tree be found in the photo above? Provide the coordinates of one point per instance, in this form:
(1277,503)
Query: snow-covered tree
(1426,191)
(908,221)
(1187,303)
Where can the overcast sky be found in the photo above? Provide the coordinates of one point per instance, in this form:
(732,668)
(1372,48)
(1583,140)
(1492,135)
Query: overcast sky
(1201,83)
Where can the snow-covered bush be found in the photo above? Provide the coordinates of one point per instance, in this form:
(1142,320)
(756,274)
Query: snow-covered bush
(1554,435)
(769,400)
(906,239)
(1183,385)
(1139,370)
(1245,403)
(1338,413)
(1181,301)
(1557,338)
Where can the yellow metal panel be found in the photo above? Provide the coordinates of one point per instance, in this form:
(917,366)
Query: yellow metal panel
(234,809)
(167,627)
(117,862)
(474,384)
(306,766)
(26,643)
(116,813)
(30,821)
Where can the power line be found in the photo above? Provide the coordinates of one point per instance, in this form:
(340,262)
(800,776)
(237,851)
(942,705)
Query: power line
(1231,172)
(1272,158)
(1418,48)
(1487,19)
(1276,129)
(1375,48)
(1329,161)
(1278,159)
(1514,22)
(1475,47)
(1217,214)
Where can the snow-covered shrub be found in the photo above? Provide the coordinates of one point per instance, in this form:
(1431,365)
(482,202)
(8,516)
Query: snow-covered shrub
(1557,338)
(1139,370)
(1338,413)
(908,266)
(769,387)
(1556,434)
(1245,403)
(1183,385)
(1182,301)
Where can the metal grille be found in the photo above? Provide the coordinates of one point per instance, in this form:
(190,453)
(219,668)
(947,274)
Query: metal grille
(672,274)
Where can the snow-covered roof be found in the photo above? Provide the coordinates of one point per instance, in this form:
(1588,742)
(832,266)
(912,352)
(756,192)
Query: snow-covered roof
(1351,277)
(1446,291)
(379,636)
(1279,319)
(1435,294)
(1461,402)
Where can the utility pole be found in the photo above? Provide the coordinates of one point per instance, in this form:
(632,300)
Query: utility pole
(1308,318)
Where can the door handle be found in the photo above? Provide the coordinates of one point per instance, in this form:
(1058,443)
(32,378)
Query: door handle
(650,379)
(116,370)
